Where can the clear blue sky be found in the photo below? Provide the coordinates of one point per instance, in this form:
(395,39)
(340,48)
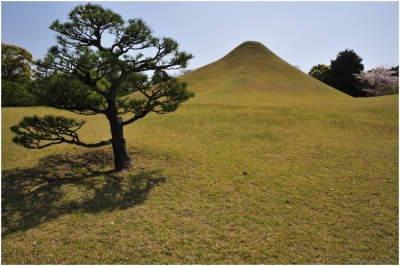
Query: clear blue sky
(301,33)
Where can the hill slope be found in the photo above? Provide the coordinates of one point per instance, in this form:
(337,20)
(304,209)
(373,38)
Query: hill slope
(252,66)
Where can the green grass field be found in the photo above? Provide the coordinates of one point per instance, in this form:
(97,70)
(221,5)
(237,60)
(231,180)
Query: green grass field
(258,168)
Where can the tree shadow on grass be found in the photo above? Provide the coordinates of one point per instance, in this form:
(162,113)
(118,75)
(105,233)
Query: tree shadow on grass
(62,184)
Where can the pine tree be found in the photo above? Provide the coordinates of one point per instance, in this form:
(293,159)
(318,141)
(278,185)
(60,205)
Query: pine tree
(96,74)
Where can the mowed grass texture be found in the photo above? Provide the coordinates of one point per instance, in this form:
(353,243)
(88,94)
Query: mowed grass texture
(241,174)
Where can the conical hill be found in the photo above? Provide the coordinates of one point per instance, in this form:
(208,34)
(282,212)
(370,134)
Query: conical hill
(252,66)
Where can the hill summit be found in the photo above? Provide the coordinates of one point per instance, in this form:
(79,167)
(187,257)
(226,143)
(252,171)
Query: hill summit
(249,51)
(251,66)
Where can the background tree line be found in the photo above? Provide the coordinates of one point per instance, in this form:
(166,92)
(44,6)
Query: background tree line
(16,76)
(23,86)
(346,73)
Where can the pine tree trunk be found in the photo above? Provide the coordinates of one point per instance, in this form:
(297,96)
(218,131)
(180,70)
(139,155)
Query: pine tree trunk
(122,161)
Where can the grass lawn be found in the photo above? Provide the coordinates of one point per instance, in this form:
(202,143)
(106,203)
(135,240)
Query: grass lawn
(250,171)
(321,187)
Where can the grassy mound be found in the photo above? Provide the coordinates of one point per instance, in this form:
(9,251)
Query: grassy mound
(252,66)
(258,168)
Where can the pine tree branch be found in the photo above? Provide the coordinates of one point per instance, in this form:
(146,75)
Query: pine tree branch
(38,133)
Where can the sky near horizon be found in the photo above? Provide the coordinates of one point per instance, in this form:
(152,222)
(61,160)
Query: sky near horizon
(303,34)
